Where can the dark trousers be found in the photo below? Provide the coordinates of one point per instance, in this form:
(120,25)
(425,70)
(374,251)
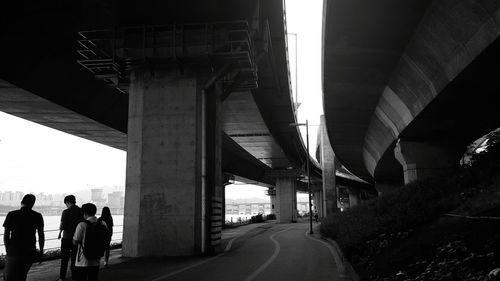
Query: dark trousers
(16,268)
(86,273)
(68,250)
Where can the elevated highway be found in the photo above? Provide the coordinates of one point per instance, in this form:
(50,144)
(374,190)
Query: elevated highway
(408,85)
(43,63)
(159,88)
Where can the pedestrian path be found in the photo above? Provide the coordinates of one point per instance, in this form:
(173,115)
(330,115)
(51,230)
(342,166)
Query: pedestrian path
(49,270)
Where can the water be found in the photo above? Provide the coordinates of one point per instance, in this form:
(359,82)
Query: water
(52,230)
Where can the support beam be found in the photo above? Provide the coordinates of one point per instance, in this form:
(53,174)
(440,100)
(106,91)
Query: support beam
(286,199)
(354,198)
(272,198)
(318,202)
(173,202)
(421,160)
(384,188)
(328,165)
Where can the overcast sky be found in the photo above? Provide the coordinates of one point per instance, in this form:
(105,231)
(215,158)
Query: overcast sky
(34,158)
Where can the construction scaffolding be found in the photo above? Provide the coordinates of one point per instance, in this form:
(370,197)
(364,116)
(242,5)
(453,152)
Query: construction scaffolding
(111,54)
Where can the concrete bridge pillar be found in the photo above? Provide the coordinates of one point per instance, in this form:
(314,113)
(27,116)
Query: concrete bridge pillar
(286,199)
(272,198)
(318,202)
(173,202)
(328,165)
(384,188)
(285,205)
(354,199)
(421,160)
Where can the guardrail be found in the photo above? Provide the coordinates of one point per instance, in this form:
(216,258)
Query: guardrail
(49,231)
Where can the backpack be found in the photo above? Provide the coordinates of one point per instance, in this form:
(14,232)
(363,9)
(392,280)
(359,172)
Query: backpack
(95,242)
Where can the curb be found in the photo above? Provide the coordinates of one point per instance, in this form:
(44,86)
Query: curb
(344,267)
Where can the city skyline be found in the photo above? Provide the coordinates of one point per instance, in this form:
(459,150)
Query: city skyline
(104,196)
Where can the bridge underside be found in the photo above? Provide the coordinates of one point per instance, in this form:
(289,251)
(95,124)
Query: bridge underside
(408,85)
(245,133)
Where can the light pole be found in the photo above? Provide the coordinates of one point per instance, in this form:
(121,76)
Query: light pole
(308,172)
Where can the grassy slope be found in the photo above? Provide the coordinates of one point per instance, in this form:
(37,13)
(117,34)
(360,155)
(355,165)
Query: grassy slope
(404,235)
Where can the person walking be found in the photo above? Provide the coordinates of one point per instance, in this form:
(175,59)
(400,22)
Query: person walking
(108,219)
(70,218)
(89,237)
(20,228)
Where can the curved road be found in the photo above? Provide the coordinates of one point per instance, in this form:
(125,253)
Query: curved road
(269,252)
(255,252)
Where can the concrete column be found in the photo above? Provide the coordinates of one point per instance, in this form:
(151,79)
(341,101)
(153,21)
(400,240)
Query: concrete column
(384,188)
(354,199)
(318,202)
(328,166)
(173,202)
(272,198)
(421,160)
(286,199)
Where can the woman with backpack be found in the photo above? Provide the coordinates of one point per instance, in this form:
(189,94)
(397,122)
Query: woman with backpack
(108,219)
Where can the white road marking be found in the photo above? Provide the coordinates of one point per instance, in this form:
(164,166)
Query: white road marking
(186,268)
(271,259)
(228,247)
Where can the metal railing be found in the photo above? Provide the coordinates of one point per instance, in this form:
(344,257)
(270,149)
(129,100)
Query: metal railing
(111,54)
(50,231)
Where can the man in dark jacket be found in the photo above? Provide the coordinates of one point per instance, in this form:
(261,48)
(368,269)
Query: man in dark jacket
(20,240)
(69,220)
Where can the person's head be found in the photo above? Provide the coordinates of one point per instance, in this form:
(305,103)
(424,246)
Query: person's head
(88,210)
(70,200)
(28,200)
(105,212)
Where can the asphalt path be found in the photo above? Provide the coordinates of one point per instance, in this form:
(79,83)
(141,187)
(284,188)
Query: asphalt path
(268,252)
(255,252)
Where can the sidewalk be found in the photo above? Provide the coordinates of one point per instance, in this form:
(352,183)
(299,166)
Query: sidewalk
(49,270)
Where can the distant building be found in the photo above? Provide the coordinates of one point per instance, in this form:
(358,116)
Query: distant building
(115,199)
(11,198)
(247,208)
(96,196)
(303,207)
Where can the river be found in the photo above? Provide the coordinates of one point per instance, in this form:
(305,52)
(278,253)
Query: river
(52,229)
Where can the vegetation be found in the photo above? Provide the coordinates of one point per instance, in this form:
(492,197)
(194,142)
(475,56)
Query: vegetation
(254,219)
(406,234)
(271,217)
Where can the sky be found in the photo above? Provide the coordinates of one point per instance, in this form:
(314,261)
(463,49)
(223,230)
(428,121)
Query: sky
(34,158)
(304,18)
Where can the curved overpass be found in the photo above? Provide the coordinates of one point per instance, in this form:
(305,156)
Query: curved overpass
(221,84)
(42,81)
(420,72)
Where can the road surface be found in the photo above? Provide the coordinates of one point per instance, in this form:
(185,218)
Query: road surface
(268,252)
